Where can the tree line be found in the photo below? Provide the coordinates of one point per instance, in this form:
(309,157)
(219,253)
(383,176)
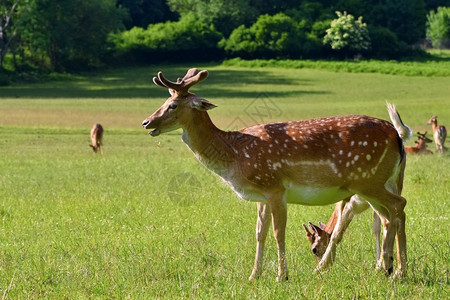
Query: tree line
(70,35)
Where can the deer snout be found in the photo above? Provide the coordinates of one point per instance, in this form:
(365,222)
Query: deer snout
(145,123)
(314,250)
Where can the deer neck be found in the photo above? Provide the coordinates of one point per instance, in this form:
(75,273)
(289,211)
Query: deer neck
(207,142)
(434,125)
(329,227)
(421,145)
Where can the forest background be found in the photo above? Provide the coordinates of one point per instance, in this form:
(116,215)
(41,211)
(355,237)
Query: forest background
(78,35)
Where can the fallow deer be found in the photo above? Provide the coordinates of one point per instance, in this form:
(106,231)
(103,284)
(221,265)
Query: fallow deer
(421,145)
(439,134)
(320,236)
(97,138)
(312,162)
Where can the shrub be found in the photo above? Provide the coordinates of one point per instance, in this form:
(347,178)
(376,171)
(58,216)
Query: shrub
(268,37)
(438,27)
(186,38)
(385,44)
(347,34)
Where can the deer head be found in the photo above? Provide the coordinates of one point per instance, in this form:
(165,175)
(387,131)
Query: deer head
(318,238)
(181,107)
(432,120)
(423,137)
(94,148)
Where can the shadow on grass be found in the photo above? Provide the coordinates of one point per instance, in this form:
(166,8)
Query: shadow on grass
(137,83)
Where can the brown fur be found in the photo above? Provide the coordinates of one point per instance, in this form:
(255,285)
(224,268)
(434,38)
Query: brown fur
(421,145)
(97,138)
(439,134)
(335,157)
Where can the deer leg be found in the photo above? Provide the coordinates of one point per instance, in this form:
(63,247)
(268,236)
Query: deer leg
(328,257)
(390,208)
(278,207)
(262,226)
(401,246)
(350,209)
(376,232)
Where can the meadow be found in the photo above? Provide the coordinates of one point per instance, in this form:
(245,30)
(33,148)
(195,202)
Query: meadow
(146,220)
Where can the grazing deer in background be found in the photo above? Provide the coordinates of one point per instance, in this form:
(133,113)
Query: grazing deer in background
(312,162)
(96,137)
(421,145)
(439,134)
(320,236)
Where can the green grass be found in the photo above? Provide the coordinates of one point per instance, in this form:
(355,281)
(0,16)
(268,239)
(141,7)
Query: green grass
(125,225)
(438,66)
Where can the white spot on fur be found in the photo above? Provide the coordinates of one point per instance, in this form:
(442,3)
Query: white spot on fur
(276,166)
(368,157)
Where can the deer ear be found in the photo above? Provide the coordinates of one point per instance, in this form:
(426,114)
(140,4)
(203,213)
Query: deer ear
(315,228)
(202,104)
(322,225)
(308,233)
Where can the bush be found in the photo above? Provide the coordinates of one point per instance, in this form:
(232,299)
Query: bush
(185,39)
(4,79)
(385,44)
(438,27)
(347,34)
(269,37)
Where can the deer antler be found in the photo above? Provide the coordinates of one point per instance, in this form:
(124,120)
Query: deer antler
(422,135)
(181,87)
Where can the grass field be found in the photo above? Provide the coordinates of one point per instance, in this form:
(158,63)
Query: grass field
(146,220)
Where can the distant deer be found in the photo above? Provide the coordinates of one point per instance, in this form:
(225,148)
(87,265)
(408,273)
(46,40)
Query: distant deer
(97,137)
(439,134)
(312,162)
(320,236)
(421,145)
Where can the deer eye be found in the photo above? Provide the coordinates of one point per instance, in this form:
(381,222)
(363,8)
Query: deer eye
(172,106)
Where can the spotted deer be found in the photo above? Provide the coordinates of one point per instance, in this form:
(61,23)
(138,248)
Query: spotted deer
(311,162)
(97,138)
(421,145)
(320,236)
(439,134)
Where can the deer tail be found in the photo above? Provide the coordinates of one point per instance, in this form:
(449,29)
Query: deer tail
(403,130)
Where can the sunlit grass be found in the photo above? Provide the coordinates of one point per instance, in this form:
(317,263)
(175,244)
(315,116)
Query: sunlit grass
(75,225)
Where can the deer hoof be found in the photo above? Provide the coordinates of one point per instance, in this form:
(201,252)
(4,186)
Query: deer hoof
(399,274)
(282,278)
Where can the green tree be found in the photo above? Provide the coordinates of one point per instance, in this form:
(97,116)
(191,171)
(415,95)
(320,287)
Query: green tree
(438,27)
(224,15)
(143,12)
(6,26)
(347,34)
(406,18)
(68,34)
